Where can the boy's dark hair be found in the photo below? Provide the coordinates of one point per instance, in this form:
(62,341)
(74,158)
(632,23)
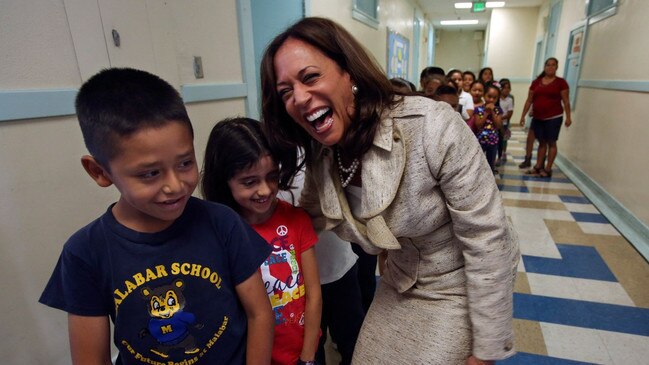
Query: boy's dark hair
(468,73)
(234,144)
(432,70)
(401,82)
(446,89)
(117,102)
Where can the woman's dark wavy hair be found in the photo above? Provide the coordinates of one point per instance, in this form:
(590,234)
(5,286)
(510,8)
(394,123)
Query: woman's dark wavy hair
(374,95)
(234,144)
(542,74)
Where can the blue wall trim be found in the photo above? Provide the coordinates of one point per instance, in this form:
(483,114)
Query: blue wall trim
(635,231)
(28,104)
(207,92)
(623,85)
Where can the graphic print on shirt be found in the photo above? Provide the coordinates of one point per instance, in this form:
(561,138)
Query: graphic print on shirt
(169,323)
(164,331)
(282,279)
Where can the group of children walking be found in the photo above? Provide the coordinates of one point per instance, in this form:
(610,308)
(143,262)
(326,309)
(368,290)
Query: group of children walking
(484,103)
(190,280)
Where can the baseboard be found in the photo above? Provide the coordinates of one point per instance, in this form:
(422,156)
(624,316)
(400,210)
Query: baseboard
(635,231)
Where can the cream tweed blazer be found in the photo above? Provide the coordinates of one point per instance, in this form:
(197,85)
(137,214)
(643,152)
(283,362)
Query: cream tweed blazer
(430,200)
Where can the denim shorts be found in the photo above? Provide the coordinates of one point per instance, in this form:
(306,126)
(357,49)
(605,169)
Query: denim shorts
(547,130)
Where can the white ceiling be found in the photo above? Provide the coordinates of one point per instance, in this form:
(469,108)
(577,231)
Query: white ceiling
(437,10)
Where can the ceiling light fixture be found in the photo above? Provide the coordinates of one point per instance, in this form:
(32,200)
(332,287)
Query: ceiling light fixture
(495,4)
(459,22)
(488,4)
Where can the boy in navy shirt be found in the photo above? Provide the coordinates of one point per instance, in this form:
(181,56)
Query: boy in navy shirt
(177,276)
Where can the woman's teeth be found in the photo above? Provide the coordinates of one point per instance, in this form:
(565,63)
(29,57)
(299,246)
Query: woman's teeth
(312,118)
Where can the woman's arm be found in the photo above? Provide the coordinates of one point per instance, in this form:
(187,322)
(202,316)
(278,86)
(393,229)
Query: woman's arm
(565,99)
(489,247)
(526,108)
(509,114)
(254,299)
(313,308)
(89,340)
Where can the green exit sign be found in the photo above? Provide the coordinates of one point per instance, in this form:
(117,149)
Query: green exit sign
(478,6)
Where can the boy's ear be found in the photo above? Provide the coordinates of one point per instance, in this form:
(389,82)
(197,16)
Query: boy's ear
(96,171)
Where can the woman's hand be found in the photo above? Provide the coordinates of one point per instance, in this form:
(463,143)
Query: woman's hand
(522,122)
(568,122)
(472,360)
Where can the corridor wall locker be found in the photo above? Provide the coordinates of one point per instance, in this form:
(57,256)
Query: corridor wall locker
(269,18)
(553,27)
(120,33)
(573,61)
(538,59)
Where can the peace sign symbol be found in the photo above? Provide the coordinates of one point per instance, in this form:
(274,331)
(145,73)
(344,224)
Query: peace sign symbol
(282,230)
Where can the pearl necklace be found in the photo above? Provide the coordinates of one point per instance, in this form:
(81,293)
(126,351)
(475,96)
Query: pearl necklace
(351,170)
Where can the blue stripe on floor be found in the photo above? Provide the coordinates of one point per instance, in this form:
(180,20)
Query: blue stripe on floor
(574,199)
(535,178)
(577,313)
(523,358)
(518,189)
(576,261)
(589,217)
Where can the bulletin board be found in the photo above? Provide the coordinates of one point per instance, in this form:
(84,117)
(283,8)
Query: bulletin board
(398,55)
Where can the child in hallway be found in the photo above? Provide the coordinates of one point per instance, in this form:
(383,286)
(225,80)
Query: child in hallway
(174,273)
(240,171)
(477,91)
(488,121)
(507,105)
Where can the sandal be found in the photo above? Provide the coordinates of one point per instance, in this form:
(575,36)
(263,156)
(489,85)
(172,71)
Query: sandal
(545,173)
(534,171)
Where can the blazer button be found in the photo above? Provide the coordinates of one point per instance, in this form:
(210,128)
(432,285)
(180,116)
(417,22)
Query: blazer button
(508,346)
(396,137)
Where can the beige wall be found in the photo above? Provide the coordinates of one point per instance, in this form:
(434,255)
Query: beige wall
(511,46)
(512,40)
(459,49)
(398,15)
(608,139)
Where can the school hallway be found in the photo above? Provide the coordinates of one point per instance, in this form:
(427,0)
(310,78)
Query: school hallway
(581,292)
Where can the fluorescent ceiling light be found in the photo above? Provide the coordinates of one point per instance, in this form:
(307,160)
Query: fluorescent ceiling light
(495,4)
(463,5)
(459,22)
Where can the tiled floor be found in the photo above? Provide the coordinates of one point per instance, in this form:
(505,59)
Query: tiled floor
(582,292)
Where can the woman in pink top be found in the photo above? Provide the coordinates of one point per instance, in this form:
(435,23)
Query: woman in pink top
(549,95)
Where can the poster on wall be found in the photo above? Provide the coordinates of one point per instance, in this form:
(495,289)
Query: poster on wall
(398,56)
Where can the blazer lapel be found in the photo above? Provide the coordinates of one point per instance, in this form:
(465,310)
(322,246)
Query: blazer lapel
(382,170)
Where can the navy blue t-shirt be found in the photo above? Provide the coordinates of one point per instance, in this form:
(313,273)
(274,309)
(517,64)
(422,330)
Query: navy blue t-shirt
(171,295)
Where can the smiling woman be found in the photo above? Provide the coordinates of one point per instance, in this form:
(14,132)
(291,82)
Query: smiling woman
(403,177)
